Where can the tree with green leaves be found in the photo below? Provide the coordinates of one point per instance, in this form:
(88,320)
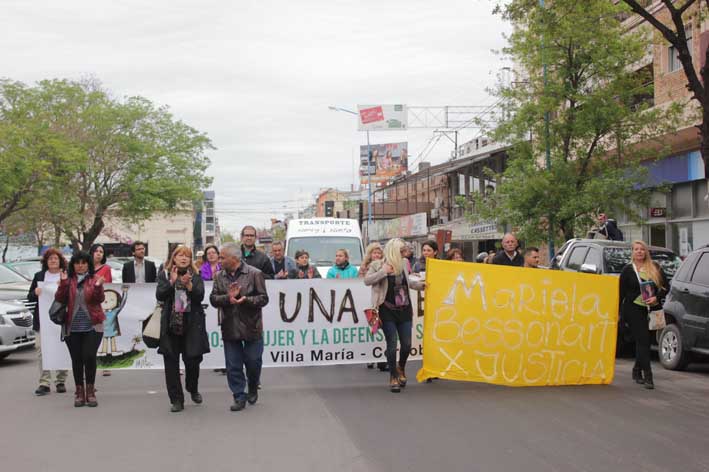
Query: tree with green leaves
(592,96)
(675,31)
(124,159)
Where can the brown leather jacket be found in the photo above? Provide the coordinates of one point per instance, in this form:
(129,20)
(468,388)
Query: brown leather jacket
(240,322)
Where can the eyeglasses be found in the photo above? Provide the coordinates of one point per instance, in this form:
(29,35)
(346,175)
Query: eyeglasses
(249,236)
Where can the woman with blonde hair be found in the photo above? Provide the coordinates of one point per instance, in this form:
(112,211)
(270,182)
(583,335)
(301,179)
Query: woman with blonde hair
(390,294)
(182,325)
(634,307)
(374,252)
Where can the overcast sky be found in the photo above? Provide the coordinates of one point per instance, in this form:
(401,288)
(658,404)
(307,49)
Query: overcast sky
(258,77)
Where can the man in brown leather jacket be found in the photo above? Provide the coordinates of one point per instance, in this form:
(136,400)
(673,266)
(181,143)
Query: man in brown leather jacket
(239,292)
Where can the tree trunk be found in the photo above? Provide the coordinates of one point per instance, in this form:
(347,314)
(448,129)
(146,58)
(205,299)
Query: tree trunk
(57,235)
(90,235)
(7,244)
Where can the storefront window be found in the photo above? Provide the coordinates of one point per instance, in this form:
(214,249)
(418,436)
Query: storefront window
(700,192)
(682,239)
(682,200)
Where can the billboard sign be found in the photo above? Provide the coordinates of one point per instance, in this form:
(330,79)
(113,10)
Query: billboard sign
(388,161)
(382,117)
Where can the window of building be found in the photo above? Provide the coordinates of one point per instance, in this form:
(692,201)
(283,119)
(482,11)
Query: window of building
(673,55)
(682,200)
(700,193)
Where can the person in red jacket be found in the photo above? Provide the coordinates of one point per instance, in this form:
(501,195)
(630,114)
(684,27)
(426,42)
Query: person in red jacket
(82,293)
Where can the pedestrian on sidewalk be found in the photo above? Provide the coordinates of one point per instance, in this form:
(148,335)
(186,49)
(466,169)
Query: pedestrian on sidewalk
(342,268)
(182,325)
(53,263)
(82,331)
(239,291)
(390,294)
(634,308)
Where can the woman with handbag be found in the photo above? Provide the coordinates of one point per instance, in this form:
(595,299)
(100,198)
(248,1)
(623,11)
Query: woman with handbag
(82,330)
(634,308)
(390,294)
(53,263)
(374,252)
(182,325)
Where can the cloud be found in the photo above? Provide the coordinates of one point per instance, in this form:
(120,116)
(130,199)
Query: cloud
(258,76)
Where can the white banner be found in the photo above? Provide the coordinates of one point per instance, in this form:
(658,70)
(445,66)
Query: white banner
(306,322)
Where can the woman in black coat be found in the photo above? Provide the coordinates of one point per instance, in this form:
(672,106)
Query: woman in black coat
(634,309)
(182,325)
(53,264)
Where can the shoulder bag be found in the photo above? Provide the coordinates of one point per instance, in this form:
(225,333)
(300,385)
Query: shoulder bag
(655,318)
(57,312)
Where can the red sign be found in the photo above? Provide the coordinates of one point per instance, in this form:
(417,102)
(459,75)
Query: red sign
(371,115)
(657,212)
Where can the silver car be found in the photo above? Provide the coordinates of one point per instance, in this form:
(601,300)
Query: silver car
(15,328)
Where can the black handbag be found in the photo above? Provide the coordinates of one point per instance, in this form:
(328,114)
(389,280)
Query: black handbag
(57,312)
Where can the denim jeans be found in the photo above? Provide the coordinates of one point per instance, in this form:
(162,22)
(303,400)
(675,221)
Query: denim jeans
(391,328)
(240,354)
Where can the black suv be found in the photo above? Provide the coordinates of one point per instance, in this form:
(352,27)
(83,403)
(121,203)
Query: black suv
(687,313)
(599,256)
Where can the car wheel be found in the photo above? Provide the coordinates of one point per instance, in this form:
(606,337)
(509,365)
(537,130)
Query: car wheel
(671,351)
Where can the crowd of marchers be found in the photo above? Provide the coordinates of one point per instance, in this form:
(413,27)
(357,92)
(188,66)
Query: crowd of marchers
(239,293)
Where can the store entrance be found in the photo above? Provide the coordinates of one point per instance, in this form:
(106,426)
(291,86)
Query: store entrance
(657,235)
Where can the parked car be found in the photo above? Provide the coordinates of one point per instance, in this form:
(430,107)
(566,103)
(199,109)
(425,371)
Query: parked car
(598,256)
(15,328)
(687,313)
(26,267)
(15,313)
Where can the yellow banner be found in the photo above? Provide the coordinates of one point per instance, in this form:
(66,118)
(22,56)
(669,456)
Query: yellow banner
(518,327)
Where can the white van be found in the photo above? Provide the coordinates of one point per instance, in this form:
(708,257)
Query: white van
(322,237)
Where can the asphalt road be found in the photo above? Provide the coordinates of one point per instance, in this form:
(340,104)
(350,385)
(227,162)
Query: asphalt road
(344,419)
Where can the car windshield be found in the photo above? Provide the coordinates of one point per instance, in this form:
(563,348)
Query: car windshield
(617,257)
(8,276)
(322,250)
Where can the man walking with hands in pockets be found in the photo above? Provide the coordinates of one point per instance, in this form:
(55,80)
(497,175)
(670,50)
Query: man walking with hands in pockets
(239,291)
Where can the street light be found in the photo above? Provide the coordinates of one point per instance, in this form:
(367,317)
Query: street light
(369,171)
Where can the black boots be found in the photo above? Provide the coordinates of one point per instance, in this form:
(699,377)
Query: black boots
(648,383)
(638,375)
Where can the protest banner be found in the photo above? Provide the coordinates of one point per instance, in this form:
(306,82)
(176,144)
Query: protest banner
(518,327)
(306,322)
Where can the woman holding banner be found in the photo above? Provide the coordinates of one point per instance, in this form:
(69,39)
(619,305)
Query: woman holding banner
(390,294)
(182,325)
(82,331)
(634,308)
(373,253)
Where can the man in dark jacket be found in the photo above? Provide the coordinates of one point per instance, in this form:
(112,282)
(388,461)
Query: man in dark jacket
(509,254)
(239,293)
(253,256)
(139,270)
(608,228)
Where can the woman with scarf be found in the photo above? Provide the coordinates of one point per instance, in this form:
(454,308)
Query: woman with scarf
(82,331)
(182,325)
(303,269)
(634,308)
(342,268)
(390,284)
(210,264)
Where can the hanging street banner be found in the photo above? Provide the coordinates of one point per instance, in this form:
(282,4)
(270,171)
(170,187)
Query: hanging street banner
(306,322)
(518,327)
(382,117)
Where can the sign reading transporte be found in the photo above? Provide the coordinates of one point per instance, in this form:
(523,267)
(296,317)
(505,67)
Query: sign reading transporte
(518,327)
